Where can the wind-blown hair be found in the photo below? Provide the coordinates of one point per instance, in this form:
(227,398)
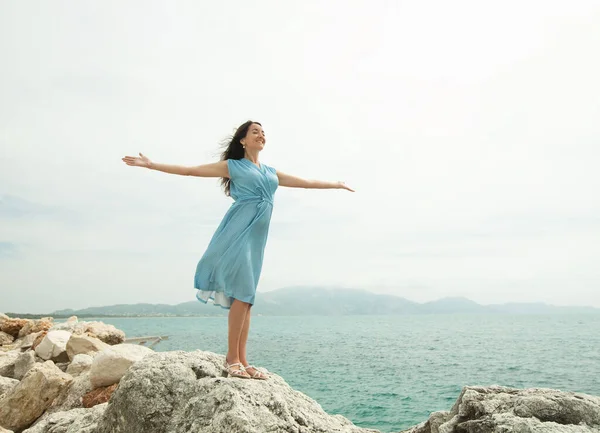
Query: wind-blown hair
(234,150)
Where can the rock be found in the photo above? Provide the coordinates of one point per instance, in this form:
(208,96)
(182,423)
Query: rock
(5,338)
(33,326)
(23,404)
(62,366)
(111,364)
(72,396)
(3,430)
(81,363)
(84,344)
(498,409)
(24,362)
(12,326)
(40,337)
(54,346)
(6,384)
(180,392)
(98,395)
(72,421)
(7,363)
(102,331)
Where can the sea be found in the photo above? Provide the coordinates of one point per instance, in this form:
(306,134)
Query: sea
(391,372)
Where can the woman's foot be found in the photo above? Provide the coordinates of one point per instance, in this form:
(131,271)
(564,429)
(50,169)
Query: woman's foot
(254,373)
(236,369)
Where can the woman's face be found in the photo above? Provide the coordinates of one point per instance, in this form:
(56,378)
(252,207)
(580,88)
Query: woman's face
(255,138)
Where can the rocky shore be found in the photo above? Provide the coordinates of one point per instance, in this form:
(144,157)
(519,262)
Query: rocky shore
(81,377)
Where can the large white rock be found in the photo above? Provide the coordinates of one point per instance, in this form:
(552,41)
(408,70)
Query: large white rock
(24,403)
(111,364)
(3,430)
(53,345)
(181,392)
(80,364)
(84,344)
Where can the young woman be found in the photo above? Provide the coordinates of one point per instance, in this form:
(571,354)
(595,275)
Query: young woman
(229,269)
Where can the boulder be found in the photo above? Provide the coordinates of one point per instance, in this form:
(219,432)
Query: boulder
(38,339)
(3,430)
(102,331)
(23,364)
(12,326)
(5,338)
(72,396)
(72,421)
(6,384)
(111,364)
(181,392)
(54,346)
(498,409)
(84,344)
(24,403)
(7,363)
(81,363)
(33,326)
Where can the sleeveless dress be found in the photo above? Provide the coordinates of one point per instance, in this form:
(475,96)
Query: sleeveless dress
(231,265)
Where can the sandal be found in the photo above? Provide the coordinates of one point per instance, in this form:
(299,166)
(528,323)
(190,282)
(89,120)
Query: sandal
(241,372)
(258,374)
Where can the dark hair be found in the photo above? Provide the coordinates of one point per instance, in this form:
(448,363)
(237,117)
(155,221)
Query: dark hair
(234,149)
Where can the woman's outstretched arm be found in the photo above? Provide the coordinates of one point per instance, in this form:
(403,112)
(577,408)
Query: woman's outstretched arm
(297,182)
(215,169)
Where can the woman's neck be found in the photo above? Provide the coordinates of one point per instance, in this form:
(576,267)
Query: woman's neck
(251,156)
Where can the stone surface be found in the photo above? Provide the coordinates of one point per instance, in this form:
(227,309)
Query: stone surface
(54,345)
(5,338)
(98,395)
(3,430)
(84,344)
(7,363)
(34,326)
(12,326)
(73,421)
(111,364)
(80,364)
(498,409)
(24,362)
(23,404)
(185,392)
(102,331)
(71,397)
(6,384)
(40,337)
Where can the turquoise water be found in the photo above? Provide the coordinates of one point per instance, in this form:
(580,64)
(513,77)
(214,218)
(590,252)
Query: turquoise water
(390,372)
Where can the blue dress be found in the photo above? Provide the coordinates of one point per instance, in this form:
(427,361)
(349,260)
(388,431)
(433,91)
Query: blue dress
(230,267)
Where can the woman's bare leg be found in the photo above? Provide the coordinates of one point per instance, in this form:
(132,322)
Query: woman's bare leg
(237,318)
(243,341)
(244,338)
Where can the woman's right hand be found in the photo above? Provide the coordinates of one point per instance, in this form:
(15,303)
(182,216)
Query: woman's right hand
(141,161)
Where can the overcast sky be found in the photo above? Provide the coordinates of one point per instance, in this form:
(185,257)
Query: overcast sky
(470,131)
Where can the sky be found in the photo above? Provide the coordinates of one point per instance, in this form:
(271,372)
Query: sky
(468,129)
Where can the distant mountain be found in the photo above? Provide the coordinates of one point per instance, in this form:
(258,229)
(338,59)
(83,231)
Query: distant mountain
(318,301)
